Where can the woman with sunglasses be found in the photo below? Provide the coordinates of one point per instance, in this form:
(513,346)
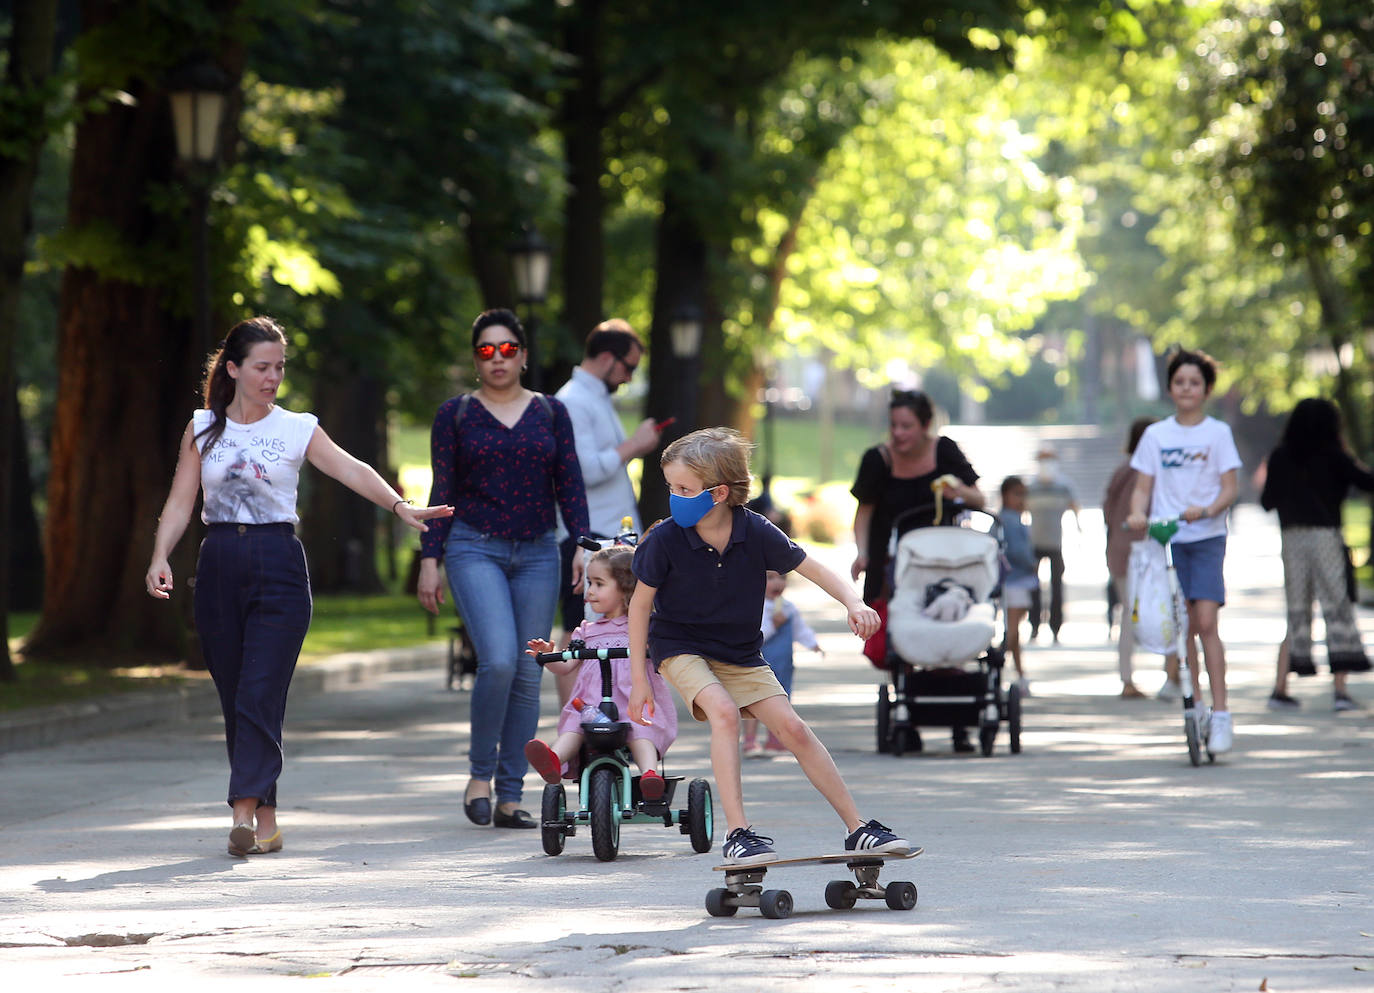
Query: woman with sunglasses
(504,457)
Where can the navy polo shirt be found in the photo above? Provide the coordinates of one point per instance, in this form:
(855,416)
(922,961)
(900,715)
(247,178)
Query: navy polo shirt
(708,603)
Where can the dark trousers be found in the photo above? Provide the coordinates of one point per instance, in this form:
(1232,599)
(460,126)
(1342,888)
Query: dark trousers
(252,607)
(1056,557)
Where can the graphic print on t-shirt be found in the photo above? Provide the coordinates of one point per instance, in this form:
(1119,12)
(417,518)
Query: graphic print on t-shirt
(245,483)
(1177,458)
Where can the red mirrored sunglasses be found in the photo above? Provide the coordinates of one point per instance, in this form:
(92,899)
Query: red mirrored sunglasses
(487,349)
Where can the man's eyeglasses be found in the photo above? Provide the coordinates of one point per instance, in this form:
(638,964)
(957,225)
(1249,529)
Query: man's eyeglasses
(487,349)
(630,367)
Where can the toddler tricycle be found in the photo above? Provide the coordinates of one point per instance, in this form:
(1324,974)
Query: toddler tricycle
(607,788)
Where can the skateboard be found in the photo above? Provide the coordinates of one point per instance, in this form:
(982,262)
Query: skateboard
(743,885)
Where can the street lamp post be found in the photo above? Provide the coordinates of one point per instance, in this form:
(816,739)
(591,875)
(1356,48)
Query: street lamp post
(684,331)
(531,262)
(197,93)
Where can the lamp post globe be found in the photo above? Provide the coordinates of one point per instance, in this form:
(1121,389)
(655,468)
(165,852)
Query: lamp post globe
(531,261)
(196,92)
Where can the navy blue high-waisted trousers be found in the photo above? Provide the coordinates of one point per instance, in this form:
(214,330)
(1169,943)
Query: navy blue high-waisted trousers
(252,607)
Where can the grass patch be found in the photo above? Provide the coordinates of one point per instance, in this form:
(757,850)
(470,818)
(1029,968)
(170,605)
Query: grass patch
(340,624)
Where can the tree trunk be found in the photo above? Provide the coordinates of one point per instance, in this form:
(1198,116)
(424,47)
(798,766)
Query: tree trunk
(25,550)
(582,123)
(680,253)
(33,34)
(128,371)
(340,527)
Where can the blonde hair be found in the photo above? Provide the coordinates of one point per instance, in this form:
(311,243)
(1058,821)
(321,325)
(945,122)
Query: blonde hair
(617,561)
(717,456)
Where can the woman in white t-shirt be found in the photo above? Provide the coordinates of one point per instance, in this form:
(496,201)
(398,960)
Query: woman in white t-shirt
(1186,468)
(252,591)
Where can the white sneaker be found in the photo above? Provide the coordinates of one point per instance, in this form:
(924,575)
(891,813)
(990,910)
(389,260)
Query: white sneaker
(1170,691)
(1221,735)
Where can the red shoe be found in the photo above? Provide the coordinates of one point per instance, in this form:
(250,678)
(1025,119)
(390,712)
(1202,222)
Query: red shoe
(545,761)
(651,786)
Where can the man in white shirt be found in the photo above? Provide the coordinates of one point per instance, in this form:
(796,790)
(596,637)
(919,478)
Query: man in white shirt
(609,361)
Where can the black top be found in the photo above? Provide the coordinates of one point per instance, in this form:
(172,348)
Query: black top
(706,602)
(889,496)
(1309,492)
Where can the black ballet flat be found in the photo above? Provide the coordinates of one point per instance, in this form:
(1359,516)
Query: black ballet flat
(515,819)
(478,810)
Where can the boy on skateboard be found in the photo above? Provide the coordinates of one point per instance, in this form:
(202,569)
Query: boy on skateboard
(696,611)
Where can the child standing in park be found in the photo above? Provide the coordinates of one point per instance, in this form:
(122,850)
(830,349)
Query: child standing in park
(1186,468)
(782,627)
(610,583)
(1021,575)
(696,609)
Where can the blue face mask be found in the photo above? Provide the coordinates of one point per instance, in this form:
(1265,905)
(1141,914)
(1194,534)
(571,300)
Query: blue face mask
(687,511)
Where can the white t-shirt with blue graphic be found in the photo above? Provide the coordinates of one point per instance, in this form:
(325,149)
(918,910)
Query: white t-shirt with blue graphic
(1187,463)
(251,473)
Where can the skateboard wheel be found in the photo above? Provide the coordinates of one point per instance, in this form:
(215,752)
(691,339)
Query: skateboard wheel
(899,896)
(775,904)
(716,904)
(839,895)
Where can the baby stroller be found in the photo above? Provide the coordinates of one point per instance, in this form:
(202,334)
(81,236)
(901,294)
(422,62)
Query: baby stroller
(945,673)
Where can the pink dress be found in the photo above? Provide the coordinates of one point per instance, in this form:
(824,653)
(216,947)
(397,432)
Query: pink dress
(614,632)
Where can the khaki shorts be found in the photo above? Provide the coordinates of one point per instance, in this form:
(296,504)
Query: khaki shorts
(690,674)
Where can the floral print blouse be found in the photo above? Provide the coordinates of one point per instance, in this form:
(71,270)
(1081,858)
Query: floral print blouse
(504,481)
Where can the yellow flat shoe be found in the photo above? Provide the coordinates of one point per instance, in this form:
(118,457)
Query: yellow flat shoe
(241,839)
(265,845)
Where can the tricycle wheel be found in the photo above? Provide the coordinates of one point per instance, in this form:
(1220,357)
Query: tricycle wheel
(551,818)
(900,896)
(1014,719)
(716,904)
(700,822)
(605,813)
(839,895)
(775,904)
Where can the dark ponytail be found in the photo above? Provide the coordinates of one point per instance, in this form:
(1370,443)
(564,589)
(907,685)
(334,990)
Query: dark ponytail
(219,386)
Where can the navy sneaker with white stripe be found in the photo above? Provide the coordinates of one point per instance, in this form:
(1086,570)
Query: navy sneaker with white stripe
(875,837)
(743,846)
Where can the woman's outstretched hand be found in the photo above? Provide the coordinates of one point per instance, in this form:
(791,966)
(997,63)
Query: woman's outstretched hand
(416,516)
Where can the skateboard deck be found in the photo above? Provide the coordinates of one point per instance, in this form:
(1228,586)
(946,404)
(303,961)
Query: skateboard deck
(732,868)
(743,884)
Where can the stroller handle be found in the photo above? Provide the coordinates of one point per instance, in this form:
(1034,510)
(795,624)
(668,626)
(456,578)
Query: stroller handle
(951,508)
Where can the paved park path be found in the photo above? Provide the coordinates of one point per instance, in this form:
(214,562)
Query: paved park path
(1097,860)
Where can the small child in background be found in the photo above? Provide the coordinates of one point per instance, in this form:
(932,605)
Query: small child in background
(610,582)
(1021,576)
(782,627)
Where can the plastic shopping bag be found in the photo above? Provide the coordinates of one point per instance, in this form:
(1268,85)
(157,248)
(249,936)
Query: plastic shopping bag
(1147,600)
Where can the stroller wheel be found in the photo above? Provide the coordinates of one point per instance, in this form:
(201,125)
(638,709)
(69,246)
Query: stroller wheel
(884,721)
(987,739)
(1014,719)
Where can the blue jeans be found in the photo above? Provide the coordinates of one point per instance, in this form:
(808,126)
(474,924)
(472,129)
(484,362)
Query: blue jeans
(777,652)
(252,608)
(505,591)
